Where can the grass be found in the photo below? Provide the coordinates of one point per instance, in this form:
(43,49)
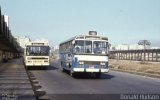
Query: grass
(137,66)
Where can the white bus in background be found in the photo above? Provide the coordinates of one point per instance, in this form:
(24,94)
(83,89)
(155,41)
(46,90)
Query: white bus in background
(85,53)
(37,54)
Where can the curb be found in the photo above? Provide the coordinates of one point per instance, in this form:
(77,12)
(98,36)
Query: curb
(137,73)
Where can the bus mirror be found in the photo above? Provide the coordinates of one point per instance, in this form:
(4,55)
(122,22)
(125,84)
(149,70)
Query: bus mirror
(73,42)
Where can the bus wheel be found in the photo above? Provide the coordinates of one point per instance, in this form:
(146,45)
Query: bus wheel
(97,75)
(27,68)
(72,73)
(63,70)
(44,67)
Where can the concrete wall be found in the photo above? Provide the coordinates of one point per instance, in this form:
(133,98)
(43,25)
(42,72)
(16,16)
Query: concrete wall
(10,55)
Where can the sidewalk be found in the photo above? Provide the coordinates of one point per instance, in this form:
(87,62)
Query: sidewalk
(14,81)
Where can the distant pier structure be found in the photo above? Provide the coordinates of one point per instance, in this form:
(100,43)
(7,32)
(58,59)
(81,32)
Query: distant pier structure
(137,55)
(138,52)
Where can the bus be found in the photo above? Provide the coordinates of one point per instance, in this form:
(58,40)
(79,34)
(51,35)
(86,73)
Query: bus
(37,54)
(85,54)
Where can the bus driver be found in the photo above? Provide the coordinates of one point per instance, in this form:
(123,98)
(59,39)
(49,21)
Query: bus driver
(97,49)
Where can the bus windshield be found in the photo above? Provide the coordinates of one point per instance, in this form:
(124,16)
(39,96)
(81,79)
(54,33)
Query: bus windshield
(91,47)
(37,50)
(100,47)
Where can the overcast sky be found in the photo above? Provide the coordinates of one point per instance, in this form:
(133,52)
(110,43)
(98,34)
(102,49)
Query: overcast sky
(122,21)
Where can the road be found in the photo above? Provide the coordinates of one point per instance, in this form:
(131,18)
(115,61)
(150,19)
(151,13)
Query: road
(55,82)
(61,86)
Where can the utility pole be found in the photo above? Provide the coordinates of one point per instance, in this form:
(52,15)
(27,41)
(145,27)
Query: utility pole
(144,43)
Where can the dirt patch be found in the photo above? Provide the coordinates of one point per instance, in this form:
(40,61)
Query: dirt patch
(136,66)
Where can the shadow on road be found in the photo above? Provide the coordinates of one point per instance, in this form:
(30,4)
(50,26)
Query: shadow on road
(51,67)
(42,68)
(107,76)
(91,76)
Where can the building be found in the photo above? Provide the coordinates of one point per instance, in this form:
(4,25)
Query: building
(155,47)
(8,45)
(128,47)
(6,19)
(55,52)
(22,40)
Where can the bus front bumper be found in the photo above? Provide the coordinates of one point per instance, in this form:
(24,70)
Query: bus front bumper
(103,70)
(33,64)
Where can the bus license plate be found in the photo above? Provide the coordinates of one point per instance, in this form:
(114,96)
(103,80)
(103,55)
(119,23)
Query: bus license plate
(37,61)
(91,67)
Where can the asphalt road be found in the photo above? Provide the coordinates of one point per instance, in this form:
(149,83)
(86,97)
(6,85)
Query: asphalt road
(61,86)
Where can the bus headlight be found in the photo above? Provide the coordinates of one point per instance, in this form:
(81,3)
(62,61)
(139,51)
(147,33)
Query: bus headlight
(67,64)
(81,62)
(29,61)
(103,63)
(29,58)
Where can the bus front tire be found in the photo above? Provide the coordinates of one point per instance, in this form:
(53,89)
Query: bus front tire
(27,67)
(63,70)
(72,74)
(44,67)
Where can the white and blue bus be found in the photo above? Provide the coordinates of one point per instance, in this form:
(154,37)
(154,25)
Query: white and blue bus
(85,53)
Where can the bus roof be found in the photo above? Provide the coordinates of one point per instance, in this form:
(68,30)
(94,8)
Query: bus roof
(38,43)
(86,37)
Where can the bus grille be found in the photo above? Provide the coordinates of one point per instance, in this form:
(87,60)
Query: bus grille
(91,63)
(39,58)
